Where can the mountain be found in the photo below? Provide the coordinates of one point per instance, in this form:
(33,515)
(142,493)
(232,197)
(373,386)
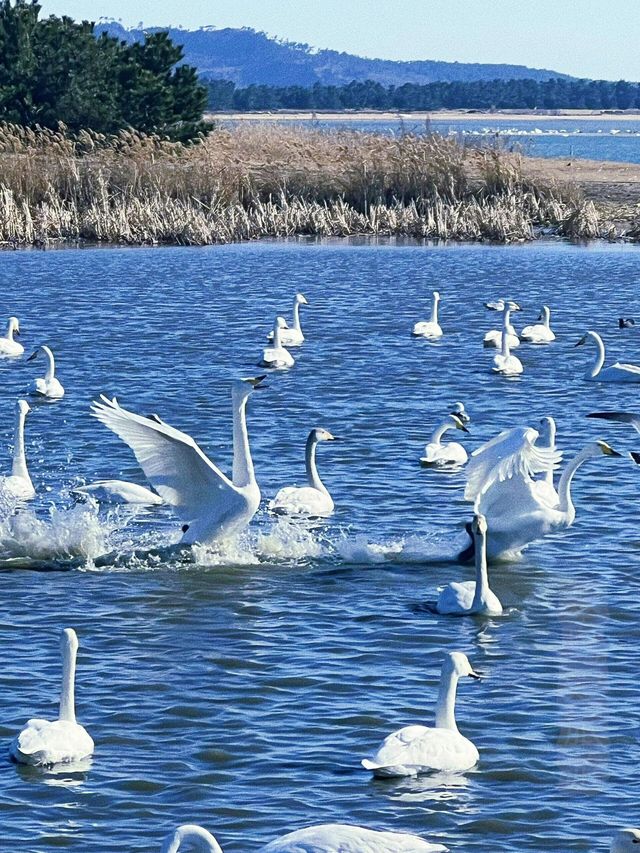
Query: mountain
(246,56)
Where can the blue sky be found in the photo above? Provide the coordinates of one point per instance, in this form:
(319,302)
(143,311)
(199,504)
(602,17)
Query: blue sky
(586,38)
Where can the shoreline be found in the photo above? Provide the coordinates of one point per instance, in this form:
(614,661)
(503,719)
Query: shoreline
(436,115)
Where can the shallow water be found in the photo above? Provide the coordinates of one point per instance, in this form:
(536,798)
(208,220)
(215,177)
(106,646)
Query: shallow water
(240,691)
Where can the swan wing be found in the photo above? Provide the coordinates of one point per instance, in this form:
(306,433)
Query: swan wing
(43,742)
(171,460)
(511,453)
(424,748)
(506,502)
(622,417)
(343,838)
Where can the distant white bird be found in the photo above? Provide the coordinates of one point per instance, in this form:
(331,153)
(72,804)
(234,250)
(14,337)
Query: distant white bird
(117,492)
(504,362)
(429,328)
(291,336)
(541,332)
(467,598)
(439,455)
(276,357)
(618,372)
(211,506)
(7,344)
(498,305)
(48,386)
(324,838)
(494,337)
(419,749)
(625,841)
(459,410)
(314,498)
(18,485)
(43,742)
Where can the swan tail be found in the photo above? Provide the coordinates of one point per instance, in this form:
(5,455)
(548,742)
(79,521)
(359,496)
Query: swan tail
(370,765)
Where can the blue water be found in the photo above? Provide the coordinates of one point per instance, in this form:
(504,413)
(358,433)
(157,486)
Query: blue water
(240,690)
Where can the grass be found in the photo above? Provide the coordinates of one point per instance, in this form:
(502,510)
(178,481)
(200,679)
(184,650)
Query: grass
(271,181)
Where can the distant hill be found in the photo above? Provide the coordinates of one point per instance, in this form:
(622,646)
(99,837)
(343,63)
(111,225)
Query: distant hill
(246,56)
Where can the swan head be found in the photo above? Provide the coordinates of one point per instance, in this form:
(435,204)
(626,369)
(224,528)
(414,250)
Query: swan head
(544,313)
(320,434)
(436,296)
(458,664)
(624,841)
(69,640)
(479,525)
(606,449)
(513,306)
(547,430)
(626,322)
(459,411)
(457,422)
(193,835)
(593,335)
(243,387)
(42,348)
(300,299)
(23,408)
(280,323)
(13,326)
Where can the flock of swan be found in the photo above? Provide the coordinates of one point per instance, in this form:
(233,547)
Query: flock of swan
(509,481)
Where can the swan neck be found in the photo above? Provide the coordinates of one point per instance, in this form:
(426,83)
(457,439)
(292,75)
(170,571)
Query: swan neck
(19,467)
(546,318)
(198,837)
(482,573)
(564,486)
(296,316)
(277,341)
(596,367)
(243,473)
(440,431)
(434,310)
(51,365)
(10,330)
(313,478)
(67,697)
(506,352)
(445,707)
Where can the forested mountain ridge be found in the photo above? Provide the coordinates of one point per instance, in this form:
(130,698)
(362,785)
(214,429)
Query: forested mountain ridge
(247,57)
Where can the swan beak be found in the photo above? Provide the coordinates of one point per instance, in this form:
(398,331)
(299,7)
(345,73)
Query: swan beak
(32,356)
(256,382)
(474,674)
(464,428)
(335,438)
(539,317)
(580,342)
(16,332)
(635,456)
(609,451)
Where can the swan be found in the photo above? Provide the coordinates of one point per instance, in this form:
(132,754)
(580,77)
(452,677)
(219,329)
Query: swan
(44,742)
(626,322)
(18,485)
(429,328)
(494,337)
(48,386)
(439,455)
(518,508)
(7,344)
(498,305)
(541,332)
(276,357)
(419,749)
(312,499)
(459,410)
(468,598)
(117,492)
(324,838)
(211,506)
(504,363)
(625,841)
(618,372)
(292,336)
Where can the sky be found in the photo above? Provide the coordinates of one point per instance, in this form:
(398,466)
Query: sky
(585,38)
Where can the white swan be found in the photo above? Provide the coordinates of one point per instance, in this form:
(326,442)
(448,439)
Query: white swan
(467,598)
(494,337)
(117,492)
(44,742)
(211,506)
(429,328)
(324,838)
(276,357)
(419,749)
(504,363)
(291,336)
(7,344)
(439,455)
(625,841)
(314,498)
(618,372)
(498,305)
(48,386)
(541,332)
(18,485)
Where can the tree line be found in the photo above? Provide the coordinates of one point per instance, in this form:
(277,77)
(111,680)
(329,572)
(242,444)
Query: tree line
(55,70)
(526,94)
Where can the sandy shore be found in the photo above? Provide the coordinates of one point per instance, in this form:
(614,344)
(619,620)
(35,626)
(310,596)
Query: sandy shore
(442,115)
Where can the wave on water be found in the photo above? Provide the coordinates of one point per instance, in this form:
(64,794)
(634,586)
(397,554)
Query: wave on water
(408,549)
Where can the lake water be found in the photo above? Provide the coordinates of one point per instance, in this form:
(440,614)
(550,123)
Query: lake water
(240,691)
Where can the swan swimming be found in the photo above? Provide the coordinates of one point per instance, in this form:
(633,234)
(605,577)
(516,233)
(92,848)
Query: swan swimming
(18,485)
(504,363)
(118,492)
(618,372)
(625,841)
(47,386)
(324,838)
(498,305)
(43,742)
(276,357)
(210,505)
(494,337)
(439,455)
(459,410)
(292,336)
(467,598)
(314,498)
(541,332)
(7,344)
(420,749)
(429,328)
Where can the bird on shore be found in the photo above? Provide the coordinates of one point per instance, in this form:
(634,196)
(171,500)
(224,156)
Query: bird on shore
(451,453)
(618,372)
(541,332)
(429,328)
(314,498)
(276,357)
(17,486)
(43,743)
(8,346)
(291,336)
(48,385)
(210,506)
